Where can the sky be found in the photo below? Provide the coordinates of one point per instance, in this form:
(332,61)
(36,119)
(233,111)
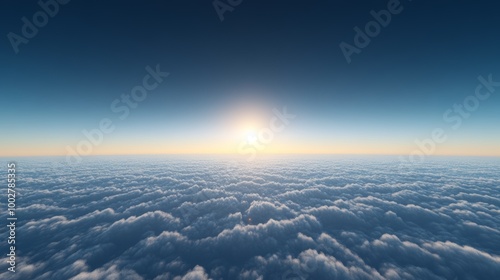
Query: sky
(227,78)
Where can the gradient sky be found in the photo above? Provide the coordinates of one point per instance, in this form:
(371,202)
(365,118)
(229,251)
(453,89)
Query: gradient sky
(226,77)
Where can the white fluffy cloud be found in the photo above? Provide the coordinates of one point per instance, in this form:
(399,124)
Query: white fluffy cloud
(293,218)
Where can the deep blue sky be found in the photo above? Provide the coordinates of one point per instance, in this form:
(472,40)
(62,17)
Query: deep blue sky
(264,54)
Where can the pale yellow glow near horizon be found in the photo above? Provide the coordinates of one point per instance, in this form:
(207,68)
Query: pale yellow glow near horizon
(231,149)
(246,131)
(244,127)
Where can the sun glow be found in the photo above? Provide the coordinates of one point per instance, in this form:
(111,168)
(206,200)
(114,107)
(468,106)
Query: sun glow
(251,137)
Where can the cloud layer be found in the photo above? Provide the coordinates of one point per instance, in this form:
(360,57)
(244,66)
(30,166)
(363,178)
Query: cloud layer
(189,218)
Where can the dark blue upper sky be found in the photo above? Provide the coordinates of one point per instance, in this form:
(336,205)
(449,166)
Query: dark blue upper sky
(264,54)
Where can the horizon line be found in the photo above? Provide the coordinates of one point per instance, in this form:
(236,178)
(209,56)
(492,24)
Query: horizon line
(262,154)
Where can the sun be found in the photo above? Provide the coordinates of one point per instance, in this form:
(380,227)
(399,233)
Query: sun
(251,137)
